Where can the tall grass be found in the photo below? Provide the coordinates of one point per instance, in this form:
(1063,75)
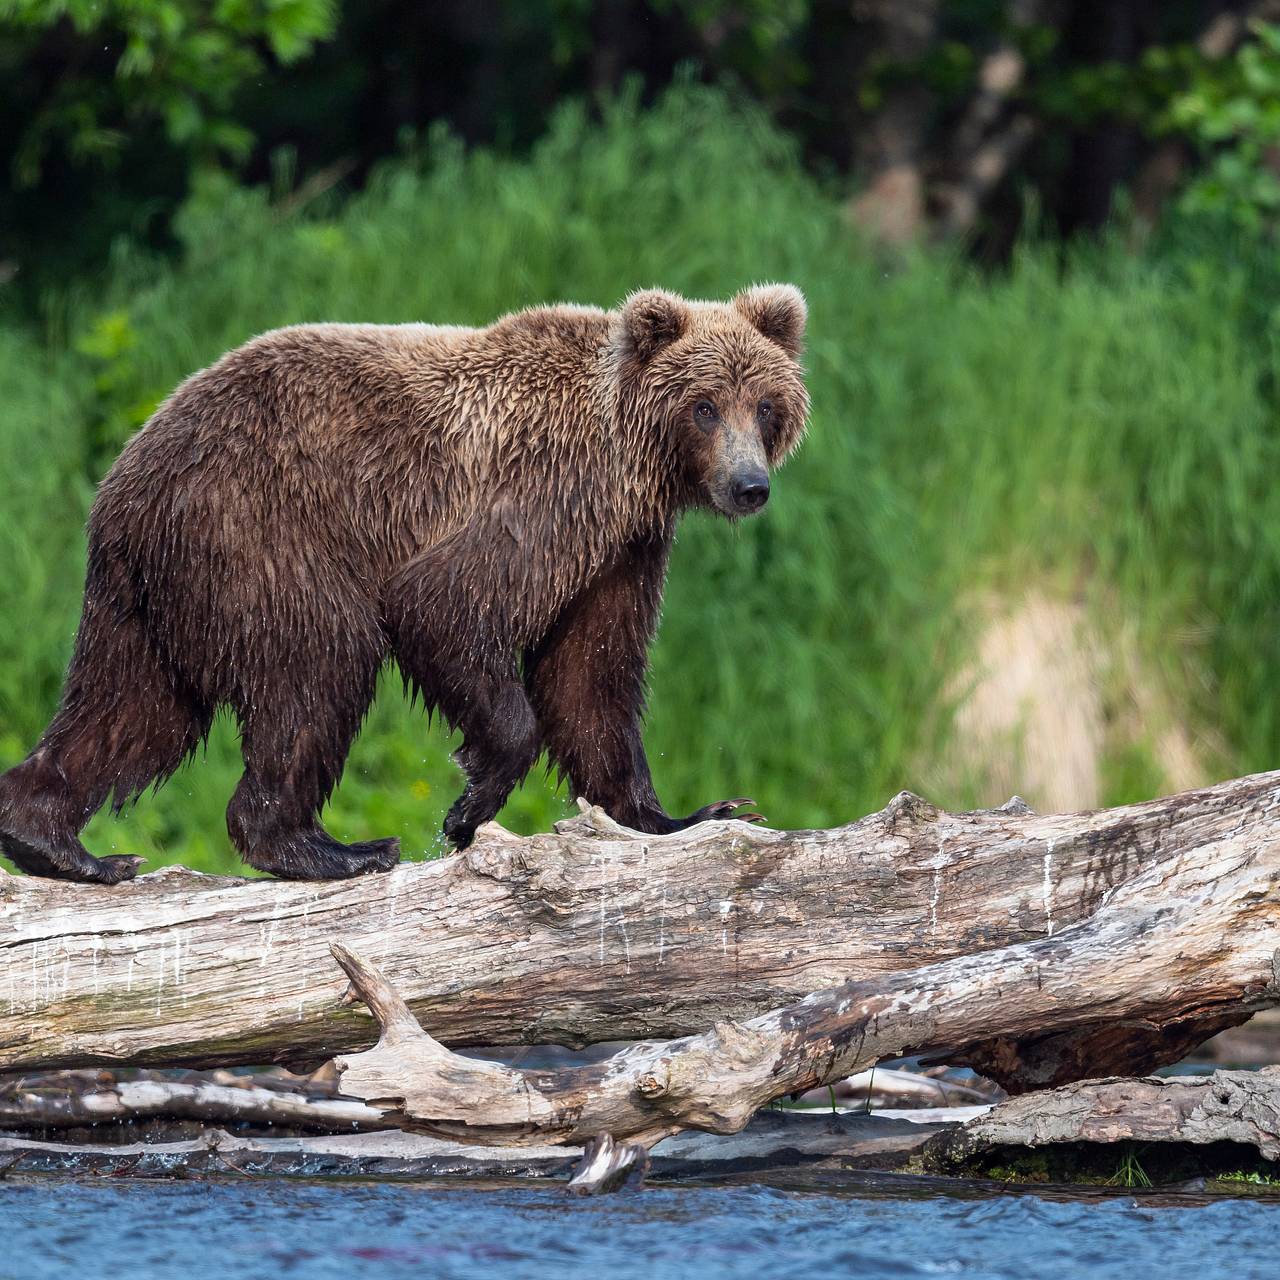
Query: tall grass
(1097,423)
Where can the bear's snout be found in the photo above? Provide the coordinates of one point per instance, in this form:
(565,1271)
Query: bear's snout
(750,490)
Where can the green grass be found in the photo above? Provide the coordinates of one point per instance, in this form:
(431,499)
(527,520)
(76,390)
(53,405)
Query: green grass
(1251,1178)
(1129,1172)
(1094,423)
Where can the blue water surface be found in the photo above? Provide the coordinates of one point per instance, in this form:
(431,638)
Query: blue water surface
(344,1231)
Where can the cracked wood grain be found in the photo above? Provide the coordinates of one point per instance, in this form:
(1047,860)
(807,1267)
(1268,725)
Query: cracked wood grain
(1227,1106)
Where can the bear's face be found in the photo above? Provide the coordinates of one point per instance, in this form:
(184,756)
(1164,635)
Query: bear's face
(722,382)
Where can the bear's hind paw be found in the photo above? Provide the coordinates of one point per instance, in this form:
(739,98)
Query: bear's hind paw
(316,855)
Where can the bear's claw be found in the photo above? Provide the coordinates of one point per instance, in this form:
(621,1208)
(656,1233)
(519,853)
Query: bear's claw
(120,866)
(69,860)
(726,810)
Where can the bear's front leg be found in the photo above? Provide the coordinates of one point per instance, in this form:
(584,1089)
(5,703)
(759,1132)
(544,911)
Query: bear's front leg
(451,639)
(586,682)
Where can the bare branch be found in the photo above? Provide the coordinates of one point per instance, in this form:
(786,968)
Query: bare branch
(72,1099)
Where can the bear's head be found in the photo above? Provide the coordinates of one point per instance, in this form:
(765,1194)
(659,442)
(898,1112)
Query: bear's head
(721,382)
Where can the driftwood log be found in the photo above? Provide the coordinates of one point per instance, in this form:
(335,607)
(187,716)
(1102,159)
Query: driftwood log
(1174,945)
(776,1145)
(1040,949)
(1238,1107)
(146,1101)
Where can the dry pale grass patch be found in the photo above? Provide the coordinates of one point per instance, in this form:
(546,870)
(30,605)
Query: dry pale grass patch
(1053,693)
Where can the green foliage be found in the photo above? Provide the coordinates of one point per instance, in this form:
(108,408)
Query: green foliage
(118,108)
(753,37)
(1231,111)
(1226,108)
(178,62)
(45,497)
(1090,423)
(112,107)
(1251,1177)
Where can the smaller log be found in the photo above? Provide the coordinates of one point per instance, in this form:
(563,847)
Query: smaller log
(387,1154)
(778,1146)
(75,1099)
(1228,1106)
(645,1092)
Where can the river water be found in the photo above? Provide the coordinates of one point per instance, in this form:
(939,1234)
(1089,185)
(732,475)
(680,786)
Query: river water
(251,1229)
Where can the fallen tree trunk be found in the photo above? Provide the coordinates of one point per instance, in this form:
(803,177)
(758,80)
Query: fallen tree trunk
(594,933)
(1173,946)
(146,1101)
(777,1144)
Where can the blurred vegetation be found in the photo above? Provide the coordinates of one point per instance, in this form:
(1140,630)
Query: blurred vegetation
(119,104)
(1094,422)
(1003,405)
(1231,109)
(943,113)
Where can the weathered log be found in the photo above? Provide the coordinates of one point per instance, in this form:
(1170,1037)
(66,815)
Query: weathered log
(594,933)
(148,1102)
(1179,942)
(773,1144)
(1240,1107)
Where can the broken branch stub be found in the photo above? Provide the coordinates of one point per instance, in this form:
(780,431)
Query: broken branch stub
(608,1166)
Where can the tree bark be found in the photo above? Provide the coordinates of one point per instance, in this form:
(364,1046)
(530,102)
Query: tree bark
(989,139)
(595,933)
(889,146)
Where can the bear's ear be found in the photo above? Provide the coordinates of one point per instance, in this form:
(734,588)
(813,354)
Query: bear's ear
(778,311)
(652,319)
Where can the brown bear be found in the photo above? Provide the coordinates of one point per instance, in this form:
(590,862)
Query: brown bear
(490,508)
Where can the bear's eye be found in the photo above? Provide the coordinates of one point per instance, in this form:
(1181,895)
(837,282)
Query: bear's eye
(705,410)
(764,410)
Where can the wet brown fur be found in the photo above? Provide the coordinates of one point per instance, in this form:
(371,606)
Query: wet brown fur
(490,508)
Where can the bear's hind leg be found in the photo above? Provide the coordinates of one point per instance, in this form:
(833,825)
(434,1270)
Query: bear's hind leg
(500,744)
(124,723)
(294,746)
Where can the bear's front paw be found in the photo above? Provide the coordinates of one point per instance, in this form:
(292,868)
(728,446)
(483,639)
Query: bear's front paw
(723,810)
(457,830)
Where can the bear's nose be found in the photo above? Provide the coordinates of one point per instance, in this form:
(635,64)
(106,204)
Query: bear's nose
(751,491)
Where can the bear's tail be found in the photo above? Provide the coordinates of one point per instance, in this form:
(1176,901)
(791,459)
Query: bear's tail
(125,722)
